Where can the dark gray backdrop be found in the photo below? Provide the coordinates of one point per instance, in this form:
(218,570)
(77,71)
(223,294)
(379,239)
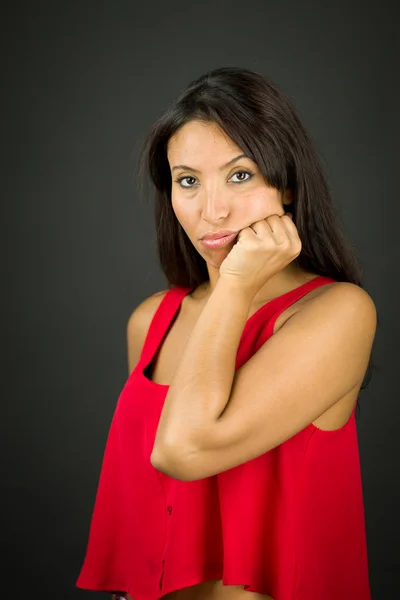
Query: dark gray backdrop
(82,84)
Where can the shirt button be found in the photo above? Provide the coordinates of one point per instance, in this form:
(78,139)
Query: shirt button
(169,509)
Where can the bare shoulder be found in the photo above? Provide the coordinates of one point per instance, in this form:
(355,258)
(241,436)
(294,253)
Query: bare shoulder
(342,299)
(349,292)
(138,326)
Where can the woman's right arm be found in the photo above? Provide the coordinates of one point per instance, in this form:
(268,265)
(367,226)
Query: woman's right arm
(138,326)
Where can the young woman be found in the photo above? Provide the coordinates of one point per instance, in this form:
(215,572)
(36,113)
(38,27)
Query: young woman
(231,470)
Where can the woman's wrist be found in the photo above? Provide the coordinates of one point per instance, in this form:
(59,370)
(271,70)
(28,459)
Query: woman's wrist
(236,287)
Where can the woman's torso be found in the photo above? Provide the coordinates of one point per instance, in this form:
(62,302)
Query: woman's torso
(212,590)
(161,371)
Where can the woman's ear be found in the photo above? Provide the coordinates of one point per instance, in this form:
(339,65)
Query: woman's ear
(287,197)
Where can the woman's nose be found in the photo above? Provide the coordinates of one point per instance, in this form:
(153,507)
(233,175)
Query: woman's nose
(215,205)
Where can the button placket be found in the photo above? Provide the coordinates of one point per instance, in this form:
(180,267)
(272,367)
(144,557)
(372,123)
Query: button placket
(169,511)
(162,574)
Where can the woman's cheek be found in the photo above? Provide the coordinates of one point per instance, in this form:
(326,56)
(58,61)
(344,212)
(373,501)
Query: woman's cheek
(185,223)
(258,204)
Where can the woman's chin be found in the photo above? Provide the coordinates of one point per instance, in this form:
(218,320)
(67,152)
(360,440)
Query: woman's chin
(215,257)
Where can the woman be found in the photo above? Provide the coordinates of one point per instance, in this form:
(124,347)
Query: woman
(231,469)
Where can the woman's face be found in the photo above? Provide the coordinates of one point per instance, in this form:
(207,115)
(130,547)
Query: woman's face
(208,194)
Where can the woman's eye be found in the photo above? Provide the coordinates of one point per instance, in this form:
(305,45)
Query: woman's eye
(181,179)
(243,173)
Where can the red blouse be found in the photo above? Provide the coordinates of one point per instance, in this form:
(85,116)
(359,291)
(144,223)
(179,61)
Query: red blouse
(289,523)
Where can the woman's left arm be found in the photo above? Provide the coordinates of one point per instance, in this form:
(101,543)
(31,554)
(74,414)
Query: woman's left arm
(215,418)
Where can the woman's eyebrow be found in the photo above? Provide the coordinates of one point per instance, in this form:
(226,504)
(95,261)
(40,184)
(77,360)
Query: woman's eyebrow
(228,164)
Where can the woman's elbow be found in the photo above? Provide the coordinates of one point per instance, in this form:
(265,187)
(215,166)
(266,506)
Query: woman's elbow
(178,463)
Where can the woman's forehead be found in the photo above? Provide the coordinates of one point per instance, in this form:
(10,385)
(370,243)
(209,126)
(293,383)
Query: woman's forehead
(201,142)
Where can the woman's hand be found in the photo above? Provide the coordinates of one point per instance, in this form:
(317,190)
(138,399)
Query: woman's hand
(261,250)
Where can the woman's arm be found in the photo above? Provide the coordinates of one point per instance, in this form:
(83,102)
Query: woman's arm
(214,419)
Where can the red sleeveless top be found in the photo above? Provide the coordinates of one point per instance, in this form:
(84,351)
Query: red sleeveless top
(289,523)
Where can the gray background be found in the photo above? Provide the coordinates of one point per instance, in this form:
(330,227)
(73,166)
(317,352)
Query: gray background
(82,84)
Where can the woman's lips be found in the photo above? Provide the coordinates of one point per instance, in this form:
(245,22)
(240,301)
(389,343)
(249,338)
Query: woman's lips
(220,242)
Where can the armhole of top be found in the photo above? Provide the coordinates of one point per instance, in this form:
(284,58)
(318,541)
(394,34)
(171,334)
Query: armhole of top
(292,299)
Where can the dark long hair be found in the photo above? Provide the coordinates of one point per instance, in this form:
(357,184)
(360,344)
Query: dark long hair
(262,121)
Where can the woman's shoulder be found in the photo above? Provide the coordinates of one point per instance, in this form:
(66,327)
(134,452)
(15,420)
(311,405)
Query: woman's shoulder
(138,326)
(340,290)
